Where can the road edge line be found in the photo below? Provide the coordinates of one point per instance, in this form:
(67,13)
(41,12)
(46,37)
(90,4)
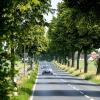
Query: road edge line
(33,88)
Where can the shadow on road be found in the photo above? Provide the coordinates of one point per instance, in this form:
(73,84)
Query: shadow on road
(72,83)
(59,78)
(59,75)
(65,93)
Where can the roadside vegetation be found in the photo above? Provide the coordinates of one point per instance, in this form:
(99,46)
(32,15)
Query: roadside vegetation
(25,84)
(22,37)
(75,33)
(90,76)
(76,28)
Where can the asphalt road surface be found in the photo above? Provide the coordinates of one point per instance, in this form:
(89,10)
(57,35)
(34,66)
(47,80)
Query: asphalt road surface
(63,86)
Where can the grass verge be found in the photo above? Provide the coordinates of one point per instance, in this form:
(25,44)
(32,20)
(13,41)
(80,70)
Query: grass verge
(87,76)
(25,85)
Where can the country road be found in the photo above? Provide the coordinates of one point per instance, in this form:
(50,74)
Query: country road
(63,86)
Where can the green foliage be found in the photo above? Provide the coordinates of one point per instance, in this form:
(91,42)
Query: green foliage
(84,5)
(76,28)
(63,32)
(5,83)
(88,77)
(17,20)
(24,89)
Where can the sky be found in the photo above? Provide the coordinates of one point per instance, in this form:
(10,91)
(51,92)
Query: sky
(54,6)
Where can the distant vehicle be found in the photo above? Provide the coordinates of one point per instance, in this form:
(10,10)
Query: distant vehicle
(43,67)
(47,71)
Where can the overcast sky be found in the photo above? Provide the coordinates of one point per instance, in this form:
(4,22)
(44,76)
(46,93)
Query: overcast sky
(54,6)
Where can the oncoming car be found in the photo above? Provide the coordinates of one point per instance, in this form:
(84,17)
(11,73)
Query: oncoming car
(43,67)
(47,71)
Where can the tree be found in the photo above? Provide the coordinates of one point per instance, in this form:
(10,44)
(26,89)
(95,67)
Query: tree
(65,30)
(15,19)
(87,16)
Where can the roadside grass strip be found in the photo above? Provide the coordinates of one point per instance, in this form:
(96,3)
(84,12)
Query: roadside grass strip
(90,76)
(25,85)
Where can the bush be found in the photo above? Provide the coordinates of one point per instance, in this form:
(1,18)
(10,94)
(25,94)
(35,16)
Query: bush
(88,77)
(25,87)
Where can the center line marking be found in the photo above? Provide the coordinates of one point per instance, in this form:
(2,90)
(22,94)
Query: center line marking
(34,87)
(91,99)
(63,80)
(81,92)
(87,96)
(76,89)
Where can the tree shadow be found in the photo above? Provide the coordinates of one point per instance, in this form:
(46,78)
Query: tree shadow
(58,75)
(72,83)
(56,93)
(59,78)
(65,93)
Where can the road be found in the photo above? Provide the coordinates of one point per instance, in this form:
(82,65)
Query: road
(63,86)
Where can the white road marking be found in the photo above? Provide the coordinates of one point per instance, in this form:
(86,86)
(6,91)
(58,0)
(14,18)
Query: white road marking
(81,92)
(63,80)
(78,90)
(87,96)
(91,99)
(75,88)
(33,89)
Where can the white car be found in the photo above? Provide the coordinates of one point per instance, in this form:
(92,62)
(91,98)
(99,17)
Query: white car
(43,67)
(48,71)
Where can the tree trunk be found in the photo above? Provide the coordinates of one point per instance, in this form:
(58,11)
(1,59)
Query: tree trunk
(31,63)
(58,59)
(65,61)
(12,58)
(98,66)
(73,60)
(12,63)
(78,57)
(24,61)
(68,61)
(62,61)
(85,62)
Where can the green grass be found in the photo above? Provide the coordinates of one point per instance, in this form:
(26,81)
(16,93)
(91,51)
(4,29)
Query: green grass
(90,76)
(25,86)
(91,66)
(71,70)
(96,80)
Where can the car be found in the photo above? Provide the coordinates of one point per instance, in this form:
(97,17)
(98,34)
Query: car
(47,71)
(43,67)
